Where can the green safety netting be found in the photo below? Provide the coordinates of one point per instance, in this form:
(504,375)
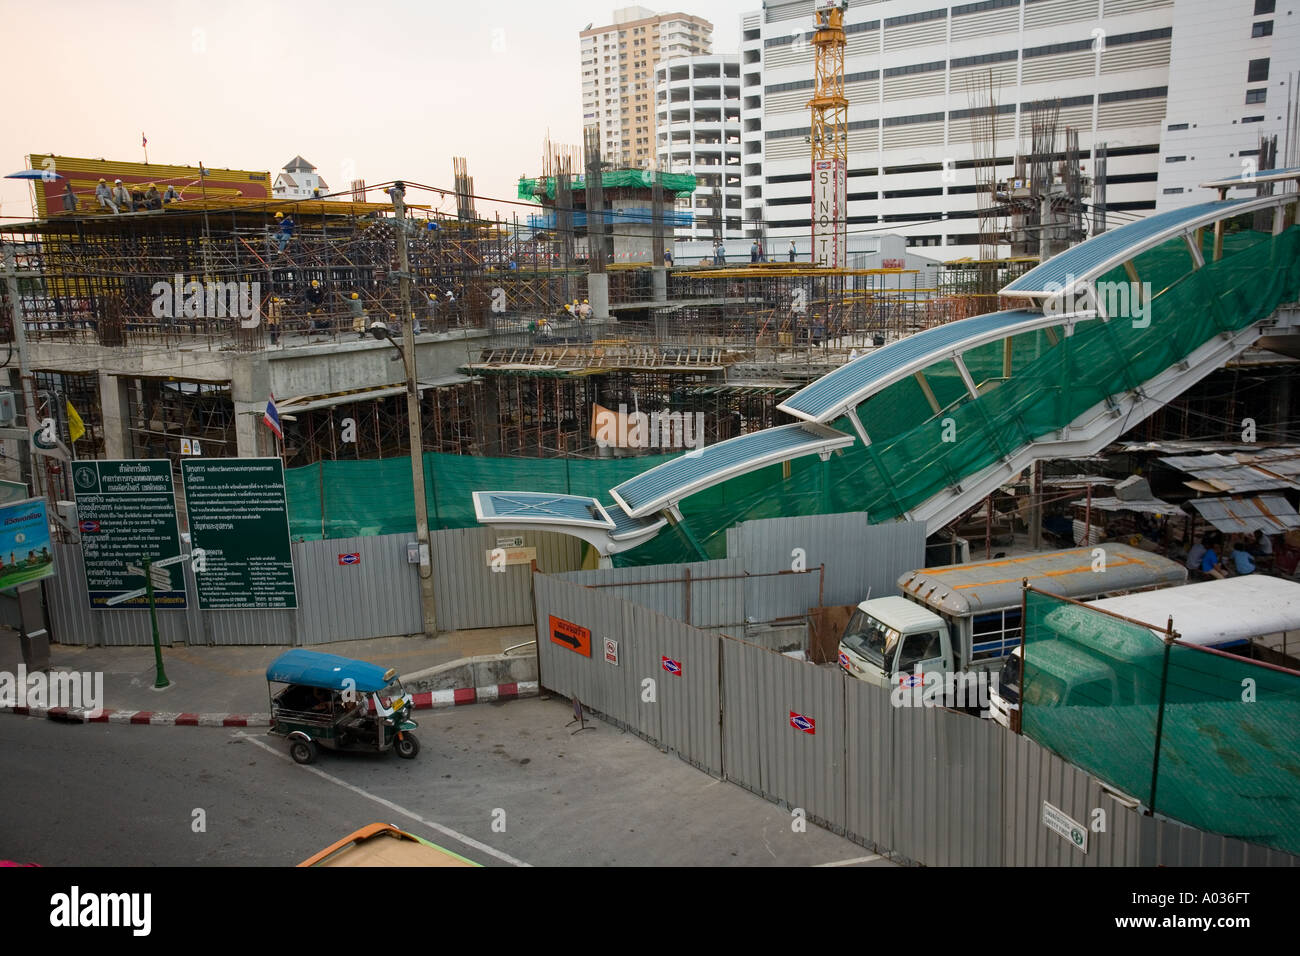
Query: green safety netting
(1050,383)
(679,184)
(1224,729)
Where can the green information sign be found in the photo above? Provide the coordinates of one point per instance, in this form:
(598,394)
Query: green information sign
(126,510)
(239,518)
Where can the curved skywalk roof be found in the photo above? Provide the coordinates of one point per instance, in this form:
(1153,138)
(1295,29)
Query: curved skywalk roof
(609,530)
(849,385)
(1100,254)
(663,486)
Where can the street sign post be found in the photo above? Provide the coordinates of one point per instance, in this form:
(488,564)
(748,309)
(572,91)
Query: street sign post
(161,680)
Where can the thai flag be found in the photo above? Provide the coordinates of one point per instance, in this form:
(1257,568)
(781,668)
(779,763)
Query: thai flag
(144,141)
(272,418)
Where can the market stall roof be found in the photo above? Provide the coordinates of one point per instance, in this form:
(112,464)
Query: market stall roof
(1225,473)
(1271,514)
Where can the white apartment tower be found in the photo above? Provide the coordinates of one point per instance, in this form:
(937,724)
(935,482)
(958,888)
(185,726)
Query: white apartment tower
(618,64)
(1234,77)
(697,114)
(909,66)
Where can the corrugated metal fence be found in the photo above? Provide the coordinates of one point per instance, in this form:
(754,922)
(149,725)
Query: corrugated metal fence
(378,597)
(757,581)
(926,785)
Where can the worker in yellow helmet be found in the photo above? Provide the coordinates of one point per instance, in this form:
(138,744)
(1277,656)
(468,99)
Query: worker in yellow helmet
(104,196)
(584,310)
(273,309)
(358,316)
(152,197)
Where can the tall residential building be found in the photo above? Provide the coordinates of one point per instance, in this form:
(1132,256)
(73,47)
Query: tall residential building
(697,114)
(618,63)
(1232,80)
(911,71)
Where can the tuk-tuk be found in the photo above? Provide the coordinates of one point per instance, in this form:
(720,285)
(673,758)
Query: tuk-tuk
(340,704)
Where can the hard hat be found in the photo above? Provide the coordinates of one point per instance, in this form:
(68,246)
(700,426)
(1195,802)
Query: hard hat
(584,302)
(432,296)
(314,283)
(355,296)
(153,186)
(102,179)
(279,215)
(275,298)
(118,181)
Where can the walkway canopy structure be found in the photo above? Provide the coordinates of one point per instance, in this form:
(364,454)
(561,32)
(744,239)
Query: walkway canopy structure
(1101,336)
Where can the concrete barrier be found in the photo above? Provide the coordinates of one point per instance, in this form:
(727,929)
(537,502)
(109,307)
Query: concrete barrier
(473,672)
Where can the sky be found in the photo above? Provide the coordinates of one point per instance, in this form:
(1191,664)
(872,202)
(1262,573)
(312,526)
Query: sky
(375,90)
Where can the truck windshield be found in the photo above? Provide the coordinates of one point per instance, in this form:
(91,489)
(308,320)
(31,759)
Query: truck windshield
(1044,690)
(1009,680)
(870,638)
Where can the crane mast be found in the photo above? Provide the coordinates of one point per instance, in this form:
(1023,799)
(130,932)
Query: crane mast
(830,138)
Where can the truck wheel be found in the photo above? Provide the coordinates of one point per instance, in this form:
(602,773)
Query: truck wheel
(407,746)
(303,751)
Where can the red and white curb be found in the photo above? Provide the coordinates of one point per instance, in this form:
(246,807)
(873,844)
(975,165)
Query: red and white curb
(428,700)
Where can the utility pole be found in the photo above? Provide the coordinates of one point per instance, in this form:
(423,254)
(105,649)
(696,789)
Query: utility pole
(427,605)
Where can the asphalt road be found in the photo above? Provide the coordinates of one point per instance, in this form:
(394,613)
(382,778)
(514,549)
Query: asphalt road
(504,784)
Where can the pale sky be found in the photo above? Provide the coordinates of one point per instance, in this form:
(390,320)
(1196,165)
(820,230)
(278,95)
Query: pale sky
(378,90)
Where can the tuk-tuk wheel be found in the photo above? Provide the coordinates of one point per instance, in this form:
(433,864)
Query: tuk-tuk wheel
(303,751)
(407,746)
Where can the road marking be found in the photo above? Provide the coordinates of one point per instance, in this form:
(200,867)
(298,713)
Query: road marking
(448,831)
(860,859)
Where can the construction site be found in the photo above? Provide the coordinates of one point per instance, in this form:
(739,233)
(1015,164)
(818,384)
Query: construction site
(167,328)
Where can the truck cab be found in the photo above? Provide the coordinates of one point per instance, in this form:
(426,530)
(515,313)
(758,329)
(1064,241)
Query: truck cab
(889,637)
(1061,675)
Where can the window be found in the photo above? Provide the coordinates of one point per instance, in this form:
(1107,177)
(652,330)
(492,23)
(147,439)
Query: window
(917,648)
(1176,126)
(1258,71)
(1262,29)
(1174,191)
(1252,119)
(1264,6)
(1175,159)
(1256,96)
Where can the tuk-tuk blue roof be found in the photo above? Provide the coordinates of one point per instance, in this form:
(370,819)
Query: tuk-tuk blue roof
(313,669)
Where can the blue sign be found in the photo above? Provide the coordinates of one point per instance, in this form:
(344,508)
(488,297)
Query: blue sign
(25,551)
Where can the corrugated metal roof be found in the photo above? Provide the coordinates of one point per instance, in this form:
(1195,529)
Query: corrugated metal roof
(1150,506)
(1268,513)
(1088,259)
(694,471)
(1226,473)
(851,384)
(987,585)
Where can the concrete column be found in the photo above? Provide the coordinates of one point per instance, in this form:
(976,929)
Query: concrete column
(659,284)
(598,294)
(250,387)
(112,407)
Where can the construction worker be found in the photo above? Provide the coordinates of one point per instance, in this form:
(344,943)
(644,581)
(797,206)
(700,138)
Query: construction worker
(171,195)
(273,309)
(285,231)
(104,196)
(315,297)
(69,198)
(358,315)
(792,252)
(668,258)
(584,311)
(152,198)
(121,198)
(753,252)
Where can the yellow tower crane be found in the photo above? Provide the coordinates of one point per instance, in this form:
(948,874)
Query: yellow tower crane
(830,137)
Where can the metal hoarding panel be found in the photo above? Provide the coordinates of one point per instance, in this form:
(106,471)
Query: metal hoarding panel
(470,594)
(869,762)
(378,596)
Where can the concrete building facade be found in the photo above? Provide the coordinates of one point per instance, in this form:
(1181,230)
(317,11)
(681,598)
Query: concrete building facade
(1234,77)
(911,68)
(618,63)
(697,115)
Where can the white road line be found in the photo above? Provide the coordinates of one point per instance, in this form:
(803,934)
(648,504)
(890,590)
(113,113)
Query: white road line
(860,859)
(448,831)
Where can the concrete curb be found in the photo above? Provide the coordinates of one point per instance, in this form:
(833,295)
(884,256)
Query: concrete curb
(428,700)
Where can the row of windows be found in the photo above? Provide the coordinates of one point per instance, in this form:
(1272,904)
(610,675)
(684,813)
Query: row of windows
(982,7)
(1142,36)
(1150,93)
(984,58)
(916,18)
(914,68)
(862,27)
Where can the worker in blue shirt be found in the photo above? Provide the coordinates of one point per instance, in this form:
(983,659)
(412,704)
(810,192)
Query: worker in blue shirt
(1241,559)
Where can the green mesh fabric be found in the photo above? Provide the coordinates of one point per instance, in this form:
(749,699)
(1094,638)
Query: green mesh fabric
(1051,382)
(679,184)
(1228,760)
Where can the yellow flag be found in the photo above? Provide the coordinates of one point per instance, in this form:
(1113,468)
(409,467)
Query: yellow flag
(76,427)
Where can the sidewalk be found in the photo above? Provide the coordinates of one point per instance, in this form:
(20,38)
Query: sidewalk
(232,680)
